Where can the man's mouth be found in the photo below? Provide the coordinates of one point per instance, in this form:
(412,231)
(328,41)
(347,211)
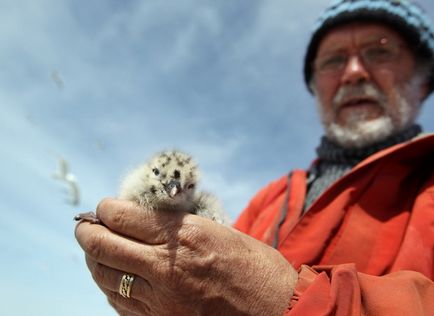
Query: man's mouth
(359,101)
(360,108)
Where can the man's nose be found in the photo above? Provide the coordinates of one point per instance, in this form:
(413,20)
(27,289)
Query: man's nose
(355,71)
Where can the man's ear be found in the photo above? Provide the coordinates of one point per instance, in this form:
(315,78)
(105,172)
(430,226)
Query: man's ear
(312,86)
(426,73)
(425,89)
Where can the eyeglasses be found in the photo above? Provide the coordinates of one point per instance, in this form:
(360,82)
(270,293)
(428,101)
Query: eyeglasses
(380,53)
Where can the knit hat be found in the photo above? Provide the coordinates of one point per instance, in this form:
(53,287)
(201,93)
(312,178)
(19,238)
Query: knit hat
(402,15)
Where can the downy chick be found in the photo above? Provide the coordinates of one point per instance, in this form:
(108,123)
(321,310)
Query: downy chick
(168,182)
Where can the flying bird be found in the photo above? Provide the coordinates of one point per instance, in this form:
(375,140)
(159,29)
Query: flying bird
(64,175)
(168,181)
(55,76)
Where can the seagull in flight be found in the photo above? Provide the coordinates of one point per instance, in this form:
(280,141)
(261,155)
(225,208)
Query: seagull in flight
(63,174)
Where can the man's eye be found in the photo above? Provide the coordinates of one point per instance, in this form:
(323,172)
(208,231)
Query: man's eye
(378,54)
(156,171)
(333,62)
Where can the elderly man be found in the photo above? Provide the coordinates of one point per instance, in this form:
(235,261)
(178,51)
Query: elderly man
(354,234)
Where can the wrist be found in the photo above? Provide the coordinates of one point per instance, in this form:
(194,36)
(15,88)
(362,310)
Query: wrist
(276,293)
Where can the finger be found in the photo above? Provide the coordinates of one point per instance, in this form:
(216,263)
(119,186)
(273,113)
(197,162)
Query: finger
(125,306)
(130,219)
(110,279)
(121,311)
(118,252)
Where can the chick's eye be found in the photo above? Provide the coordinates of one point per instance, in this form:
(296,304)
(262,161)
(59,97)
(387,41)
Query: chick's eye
(156,171)
(190,186)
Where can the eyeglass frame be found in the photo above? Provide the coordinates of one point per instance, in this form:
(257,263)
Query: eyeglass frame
(372,54)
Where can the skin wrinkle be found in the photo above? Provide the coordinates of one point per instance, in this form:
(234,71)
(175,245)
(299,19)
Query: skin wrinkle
(210,266)
(130,305)
(94,245)
(99,274)
(177,281)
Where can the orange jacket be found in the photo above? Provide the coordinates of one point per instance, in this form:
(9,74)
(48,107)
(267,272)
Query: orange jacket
(366,245)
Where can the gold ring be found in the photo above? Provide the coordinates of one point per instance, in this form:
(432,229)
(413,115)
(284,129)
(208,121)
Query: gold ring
(125,286)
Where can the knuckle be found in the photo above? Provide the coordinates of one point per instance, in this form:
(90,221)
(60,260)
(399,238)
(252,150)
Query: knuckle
(113,299)
(111,213)
(103,204)
(95,245)
(140,308)
(127,306)
(118,219)
(193,234)
(99,274)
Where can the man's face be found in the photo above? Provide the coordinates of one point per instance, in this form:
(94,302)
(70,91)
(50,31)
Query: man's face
(366,84)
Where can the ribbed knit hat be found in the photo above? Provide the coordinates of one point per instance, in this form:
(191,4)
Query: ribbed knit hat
(402,15)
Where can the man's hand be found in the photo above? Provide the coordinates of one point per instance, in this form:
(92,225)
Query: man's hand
(183,264)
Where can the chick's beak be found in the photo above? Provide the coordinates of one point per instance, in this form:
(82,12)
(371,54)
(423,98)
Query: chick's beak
(173,188)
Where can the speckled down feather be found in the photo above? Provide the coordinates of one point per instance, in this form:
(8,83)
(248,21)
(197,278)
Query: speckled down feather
(168,181)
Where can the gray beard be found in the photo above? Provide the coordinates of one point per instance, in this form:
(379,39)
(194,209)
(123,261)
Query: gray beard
(362,133)
(359,132)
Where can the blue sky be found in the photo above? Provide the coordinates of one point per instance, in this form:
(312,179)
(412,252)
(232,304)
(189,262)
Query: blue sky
(105,84)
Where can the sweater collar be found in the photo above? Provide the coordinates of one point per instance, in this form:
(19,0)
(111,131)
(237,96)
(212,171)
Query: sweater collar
(333,153)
